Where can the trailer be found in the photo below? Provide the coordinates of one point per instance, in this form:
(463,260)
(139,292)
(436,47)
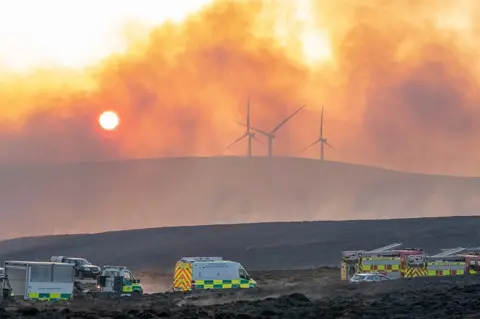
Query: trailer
(37,280)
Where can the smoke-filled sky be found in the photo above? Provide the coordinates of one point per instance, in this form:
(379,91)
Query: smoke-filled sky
(399,79)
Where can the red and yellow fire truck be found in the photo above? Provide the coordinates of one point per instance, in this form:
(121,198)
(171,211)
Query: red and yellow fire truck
(454,262)
(394,263)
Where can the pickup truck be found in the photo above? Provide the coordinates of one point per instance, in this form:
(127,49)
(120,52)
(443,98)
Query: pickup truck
(83,268)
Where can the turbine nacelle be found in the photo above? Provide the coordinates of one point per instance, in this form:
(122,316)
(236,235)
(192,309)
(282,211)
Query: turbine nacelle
(323,141)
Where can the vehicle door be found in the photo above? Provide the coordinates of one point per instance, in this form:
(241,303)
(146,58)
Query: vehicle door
(242,274)
(127,281)
(244,278)
(474,267)
(185,276)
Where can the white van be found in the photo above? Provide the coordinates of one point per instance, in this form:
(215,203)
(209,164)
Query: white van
(37,280)
(210,273)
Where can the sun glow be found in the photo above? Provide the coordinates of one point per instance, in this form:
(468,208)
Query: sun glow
(108,120)
(315,42)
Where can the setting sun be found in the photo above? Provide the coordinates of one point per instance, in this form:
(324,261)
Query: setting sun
(108,120)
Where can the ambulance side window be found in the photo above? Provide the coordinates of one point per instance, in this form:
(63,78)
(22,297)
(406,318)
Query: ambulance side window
(127,276)
(242,274)
(41,273)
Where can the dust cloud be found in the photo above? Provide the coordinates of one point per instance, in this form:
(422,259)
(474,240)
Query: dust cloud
(399,82)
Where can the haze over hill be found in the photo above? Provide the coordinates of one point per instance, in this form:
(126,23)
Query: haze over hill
(95,197)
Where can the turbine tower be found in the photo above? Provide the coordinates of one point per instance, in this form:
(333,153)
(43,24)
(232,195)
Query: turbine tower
(248,133)
(323,141)
(271,135)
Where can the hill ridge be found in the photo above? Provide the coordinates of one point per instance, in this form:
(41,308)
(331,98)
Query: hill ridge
(41,200)
(127,161)
(235,225)
(258,246)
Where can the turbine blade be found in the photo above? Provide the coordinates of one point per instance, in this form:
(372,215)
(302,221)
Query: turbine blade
(258,140)
(330,145)
(306,148)
(321,124)
(253,128)
(285,120)
(237,140)
(248,114)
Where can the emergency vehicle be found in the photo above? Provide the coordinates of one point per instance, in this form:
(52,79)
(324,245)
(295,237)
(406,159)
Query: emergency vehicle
(118,280)
(193,273)
(391,262)
(38,280)
(454,262)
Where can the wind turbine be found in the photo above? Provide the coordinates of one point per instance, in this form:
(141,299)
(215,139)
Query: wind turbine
(323,141)
(248,133)
(271,135)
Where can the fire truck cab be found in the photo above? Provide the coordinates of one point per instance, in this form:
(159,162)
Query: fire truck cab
(391,262)
(472,263)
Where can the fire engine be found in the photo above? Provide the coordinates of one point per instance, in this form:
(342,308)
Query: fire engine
(394,263)
(454,262)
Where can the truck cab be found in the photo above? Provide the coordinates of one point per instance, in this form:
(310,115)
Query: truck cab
(83,268)
(472,264)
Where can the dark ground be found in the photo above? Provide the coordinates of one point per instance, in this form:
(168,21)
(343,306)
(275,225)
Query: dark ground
(285,294)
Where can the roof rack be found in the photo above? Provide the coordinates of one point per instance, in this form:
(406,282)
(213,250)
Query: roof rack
(385,248)
(112,266)
(452,251)
(194,259)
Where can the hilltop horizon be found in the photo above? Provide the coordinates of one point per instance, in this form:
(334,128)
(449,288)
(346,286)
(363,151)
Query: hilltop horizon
(259,245)
(121,231)
(186,157)
(97,197)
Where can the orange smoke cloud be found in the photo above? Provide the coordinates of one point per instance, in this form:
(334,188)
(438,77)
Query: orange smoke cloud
(400,88)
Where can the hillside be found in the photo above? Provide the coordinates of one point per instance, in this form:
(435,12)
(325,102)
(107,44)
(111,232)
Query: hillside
(96,197)
(257,246)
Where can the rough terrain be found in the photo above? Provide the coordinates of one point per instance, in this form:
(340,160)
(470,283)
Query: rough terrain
(96,197)
(285,294)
